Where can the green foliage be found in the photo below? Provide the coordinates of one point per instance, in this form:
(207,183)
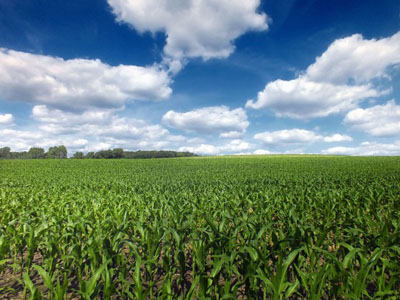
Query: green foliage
(36,153)
(5,152)
(62,152)
(156,154)
(78,155)
(120,153)
(90,155)
(57,152)
(265,227)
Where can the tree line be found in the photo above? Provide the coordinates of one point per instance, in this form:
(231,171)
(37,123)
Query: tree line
(61,152)
(35,153)
(120,153)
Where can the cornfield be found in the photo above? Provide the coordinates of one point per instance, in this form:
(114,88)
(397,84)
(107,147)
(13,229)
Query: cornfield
(264,227)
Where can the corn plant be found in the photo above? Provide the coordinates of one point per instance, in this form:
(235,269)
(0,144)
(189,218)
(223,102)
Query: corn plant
(264,227)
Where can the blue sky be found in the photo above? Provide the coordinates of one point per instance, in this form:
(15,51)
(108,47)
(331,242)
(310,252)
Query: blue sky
(207,76)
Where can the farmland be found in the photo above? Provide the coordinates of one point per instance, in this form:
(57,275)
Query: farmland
(264,227)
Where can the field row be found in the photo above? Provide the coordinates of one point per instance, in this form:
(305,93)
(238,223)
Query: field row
(287,227)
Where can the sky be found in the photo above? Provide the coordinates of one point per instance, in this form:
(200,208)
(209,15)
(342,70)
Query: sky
(213,77)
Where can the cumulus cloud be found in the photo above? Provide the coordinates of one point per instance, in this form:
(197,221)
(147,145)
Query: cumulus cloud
(50,115)
(96,123)
(233,147)
(90,131)
(104,129)
(209,120)
(22,140)
(18,139)
(338,80)
(355,58)
(303,99)
(80,143)
(379,120)
(236,146)
(125,128)
(287,136)
(77,84)
(193,28)
(262,152)
(335,138)
(6,119)
(296,137)
(202,149)
(366,149)
(231,134)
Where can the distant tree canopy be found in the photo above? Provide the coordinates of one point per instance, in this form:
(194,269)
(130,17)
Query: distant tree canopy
(34,153)
(5,152)
(89,155)
(57,152)
(60,152)
(156,154)
(120,153)
(78,155)
(114,153)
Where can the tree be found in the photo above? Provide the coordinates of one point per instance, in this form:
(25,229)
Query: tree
(36,152)
(5,152)
(62,150)
(103,154)
(57,152)
(78,155)
(118,153)
(90,155)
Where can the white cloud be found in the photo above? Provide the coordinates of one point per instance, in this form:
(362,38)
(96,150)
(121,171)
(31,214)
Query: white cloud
(379,120)
(296,151)
(355,58)
(209,120)
(19,140)
(90,131)
(231,134)
(287,137)
(262,152)
(233,147)
(125,128)
(366,149)
(193,28)
(297,137)
(103,129)
(96,123)
(101,146)
(22,140)
(202,149)
(80,143)
(77,84)
(236,146)
(335,138)
(303,99)
(338,80)
(44,114)
(6,119)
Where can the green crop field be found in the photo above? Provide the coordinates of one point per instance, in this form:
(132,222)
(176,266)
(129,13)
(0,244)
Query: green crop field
(265,227)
